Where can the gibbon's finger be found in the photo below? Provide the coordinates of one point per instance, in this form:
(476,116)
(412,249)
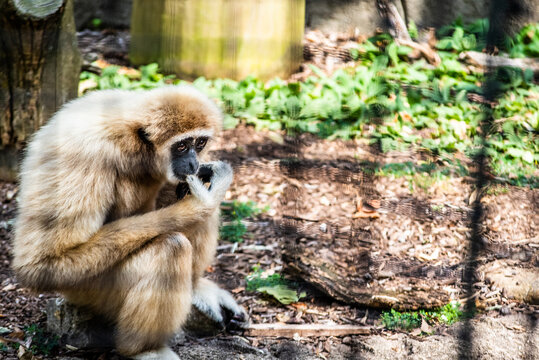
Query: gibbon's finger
(235,321)
(198,189)
(204,173)
(182,189)
(222,169)
(221,181)
(236,316)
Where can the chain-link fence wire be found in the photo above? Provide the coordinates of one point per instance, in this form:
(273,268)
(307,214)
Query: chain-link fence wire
(503,15)
(360,176)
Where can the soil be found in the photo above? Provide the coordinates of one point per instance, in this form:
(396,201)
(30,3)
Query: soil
(339,211)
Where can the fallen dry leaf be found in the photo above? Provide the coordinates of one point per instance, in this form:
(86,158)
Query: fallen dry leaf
(366,214)
(425,327)
(9,287)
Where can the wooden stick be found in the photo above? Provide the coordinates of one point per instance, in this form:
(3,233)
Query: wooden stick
(486,60)
(304,330)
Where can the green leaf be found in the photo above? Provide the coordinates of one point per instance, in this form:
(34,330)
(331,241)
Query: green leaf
(282,293)
(391,50)
(230,122)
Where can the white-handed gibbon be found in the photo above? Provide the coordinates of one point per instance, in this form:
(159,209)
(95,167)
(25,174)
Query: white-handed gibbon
(87,225)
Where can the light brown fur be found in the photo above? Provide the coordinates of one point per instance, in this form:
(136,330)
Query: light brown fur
(87,224)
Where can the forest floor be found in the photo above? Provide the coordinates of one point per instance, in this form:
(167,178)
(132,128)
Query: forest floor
(391,223)
(504,328)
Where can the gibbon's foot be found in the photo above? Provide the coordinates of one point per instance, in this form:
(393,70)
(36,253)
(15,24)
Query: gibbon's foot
(219,305)
(165,353)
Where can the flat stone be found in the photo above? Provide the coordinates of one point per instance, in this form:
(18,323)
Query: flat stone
(199,325)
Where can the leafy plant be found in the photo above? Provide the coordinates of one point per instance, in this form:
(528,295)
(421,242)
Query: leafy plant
(448,315)
(397,104)
(234,230)
(42,343)
(396,320)
(526,42)
(273,284)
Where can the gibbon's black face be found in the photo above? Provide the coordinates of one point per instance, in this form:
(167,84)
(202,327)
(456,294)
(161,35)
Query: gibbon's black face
(184,156)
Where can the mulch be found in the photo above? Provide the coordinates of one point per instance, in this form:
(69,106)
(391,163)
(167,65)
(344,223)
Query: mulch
(397,233)
(393,211)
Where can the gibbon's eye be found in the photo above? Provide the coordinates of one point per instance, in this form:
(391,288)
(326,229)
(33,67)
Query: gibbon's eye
(200,143)
(182,146)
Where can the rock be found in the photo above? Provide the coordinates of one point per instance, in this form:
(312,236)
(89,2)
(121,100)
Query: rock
(82,329)
(223,349)
(291,350)
(344,15)
(77,327)
(505,310)
(112,13)
(199,325)
(116,13)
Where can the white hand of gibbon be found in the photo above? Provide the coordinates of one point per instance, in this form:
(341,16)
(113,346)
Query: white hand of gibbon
(219,184)
(219,305)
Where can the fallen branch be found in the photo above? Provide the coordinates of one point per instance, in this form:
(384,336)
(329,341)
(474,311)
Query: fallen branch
(486,60)
(304,330)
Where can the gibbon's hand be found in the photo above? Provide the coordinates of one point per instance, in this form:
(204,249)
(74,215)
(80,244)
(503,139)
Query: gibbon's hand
(219,305)
(219,184)
(205,173)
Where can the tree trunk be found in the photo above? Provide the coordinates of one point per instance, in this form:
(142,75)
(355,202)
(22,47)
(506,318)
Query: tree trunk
(39,69)
(396,25)
(219,38)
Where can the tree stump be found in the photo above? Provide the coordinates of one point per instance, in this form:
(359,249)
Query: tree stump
(77,327)
(39,70)
(219,38)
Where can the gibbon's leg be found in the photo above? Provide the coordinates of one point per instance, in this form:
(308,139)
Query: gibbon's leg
(147,295)
(218,304)
(158,290)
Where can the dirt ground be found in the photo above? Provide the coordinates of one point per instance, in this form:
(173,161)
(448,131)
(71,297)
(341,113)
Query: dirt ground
(399,222)
(506,327)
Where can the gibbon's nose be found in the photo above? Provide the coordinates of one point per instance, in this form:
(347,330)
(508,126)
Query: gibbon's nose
(192,166)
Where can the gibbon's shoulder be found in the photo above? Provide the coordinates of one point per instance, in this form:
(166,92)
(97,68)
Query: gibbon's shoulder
(97,107)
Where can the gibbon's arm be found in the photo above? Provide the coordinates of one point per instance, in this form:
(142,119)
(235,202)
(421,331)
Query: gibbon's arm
(68,249)
(109,245)
(69,255)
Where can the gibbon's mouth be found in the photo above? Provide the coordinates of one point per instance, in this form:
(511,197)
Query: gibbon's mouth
(181,173)
(181,177)
(204,172)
